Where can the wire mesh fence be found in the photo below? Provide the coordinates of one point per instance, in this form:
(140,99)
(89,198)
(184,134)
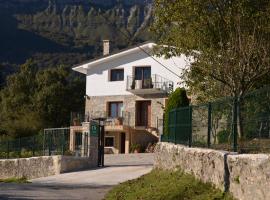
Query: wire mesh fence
(55,141)
(21,147)
(232,124)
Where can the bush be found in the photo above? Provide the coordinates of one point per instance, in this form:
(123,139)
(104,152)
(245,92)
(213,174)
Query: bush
(223,136)
(150,148)
(135,147)
(176,100)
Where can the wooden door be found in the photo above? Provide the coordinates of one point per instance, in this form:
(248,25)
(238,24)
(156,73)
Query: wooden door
(123,142)
(143,112)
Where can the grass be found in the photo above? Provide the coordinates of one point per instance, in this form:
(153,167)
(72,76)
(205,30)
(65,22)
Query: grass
(14,180)
(166,185)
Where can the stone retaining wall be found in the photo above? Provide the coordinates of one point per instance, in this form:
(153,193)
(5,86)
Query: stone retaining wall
(247,176)
(36,167)
(206,165)
(250,176)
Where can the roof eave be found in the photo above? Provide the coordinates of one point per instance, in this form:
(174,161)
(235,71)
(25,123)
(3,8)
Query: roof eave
(84,67)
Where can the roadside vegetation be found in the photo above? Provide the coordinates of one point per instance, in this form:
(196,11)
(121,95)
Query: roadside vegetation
(14,180)
(167,185)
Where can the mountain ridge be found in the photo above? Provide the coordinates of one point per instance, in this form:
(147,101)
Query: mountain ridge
(66,32)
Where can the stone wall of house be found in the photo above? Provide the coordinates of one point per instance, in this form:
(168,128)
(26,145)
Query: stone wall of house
(246,176)
(98,105)
(43,166)
(117,145)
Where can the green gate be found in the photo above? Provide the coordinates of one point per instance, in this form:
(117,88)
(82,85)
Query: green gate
(180,126)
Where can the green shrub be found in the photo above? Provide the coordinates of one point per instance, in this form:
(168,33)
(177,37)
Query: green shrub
(223,136)
(135,147)
(176,100)
(3,155)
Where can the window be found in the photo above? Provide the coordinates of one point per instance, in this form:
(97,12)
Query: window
(142,73)
(109,141)
(115,109)
(117,75)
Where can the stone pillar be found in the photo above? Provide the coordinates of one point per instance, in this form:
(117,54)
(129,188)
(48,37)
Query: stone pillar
(94,150)
(72,139)
(83,145)
(127,142)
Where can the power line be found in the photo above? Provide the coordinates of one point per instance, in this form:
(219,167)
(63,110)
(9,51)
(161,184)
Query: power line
(127,37)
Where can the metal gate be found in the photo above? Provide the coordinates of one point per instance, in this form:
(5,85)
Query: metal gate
(179,126)
(97,135)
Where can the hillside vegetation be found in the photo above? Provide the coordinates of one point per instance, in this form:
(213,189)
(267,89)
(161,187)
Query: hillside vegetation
(54,32)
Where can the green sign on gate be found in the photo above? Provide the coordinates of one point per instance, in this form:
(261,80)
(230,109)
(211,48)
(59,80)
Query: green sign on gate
(94,129)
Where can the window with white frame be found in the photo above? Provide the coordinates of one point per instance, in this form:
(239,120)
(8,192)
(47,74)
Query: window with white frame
(116,75)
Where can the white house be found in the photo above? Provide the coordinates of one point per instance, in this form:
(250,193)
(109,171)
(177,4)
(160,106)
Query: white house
(129,89)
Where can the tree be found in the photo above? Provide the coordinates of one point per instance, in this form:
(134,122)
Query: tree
(18,116)
(176,99)
(228,41)
(33,100)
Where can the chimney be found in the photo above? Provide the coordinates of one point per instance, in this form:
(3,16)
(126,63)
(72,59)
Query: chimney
(106,47)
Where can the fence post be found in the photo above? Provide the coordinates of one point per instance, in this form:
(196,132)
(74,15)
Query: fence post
(163,128)
(20,147)
(209,124)
(63,142)
(174,128)
(50,143)
(190,123)
(33,147)
(7,149)
(234,124)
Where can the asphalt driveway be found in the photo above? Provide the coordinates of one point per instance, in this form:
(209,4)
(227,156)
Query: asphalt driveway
(90,184)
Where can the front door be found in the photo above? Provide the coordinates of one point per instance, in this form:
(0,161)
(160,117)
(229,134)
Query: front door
(123,142)
(143,113)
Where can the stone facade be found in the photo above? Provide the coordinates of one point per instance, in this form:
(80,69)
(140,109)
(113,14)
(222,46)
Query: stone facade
(97,105)
(246,176)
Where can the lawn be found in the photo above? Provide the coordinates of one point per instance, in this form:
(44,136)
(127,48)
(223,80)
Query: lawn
(14,180)
(166,185)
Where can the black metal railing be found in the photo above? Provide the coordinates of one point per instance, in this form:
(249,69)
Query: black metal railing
(154,82)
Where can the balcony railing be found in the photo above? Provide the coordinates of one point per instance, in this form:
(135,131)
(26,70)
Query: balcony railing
(78,118)
(122,120)
(155,84)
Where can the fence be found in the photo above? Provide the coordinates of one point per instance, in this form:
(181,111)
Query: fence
(55,141)
(233,124)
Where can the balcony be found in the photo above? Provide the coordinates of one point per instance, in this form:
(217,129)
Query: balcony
(118,123)
(111,123)
(154,85)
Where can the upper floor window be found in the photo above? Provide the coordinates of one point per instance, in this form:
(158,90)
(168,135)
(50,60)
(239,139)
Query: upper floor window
(142,73)
(115,109)
(117,75)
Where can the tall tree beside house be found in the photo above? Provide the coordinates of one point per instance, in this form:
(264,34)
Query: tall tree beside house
(33,100)
(228,40)
(176,99)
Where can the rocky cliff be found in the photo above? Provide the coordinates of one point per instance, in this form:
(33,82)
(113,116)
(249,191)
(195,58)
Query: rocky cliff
(50,31)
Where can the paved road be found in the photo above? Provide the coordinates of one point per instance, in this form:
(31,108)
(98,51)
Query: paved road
(91,184)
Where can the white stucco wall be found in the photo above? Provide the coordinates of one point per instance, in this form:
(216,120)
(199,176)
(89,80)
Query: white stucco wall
(97,79)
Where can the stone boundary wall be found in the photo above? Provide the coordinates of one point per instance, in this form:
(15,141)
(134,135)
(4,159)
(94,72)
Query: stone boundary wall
(43,166)
(246,176)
